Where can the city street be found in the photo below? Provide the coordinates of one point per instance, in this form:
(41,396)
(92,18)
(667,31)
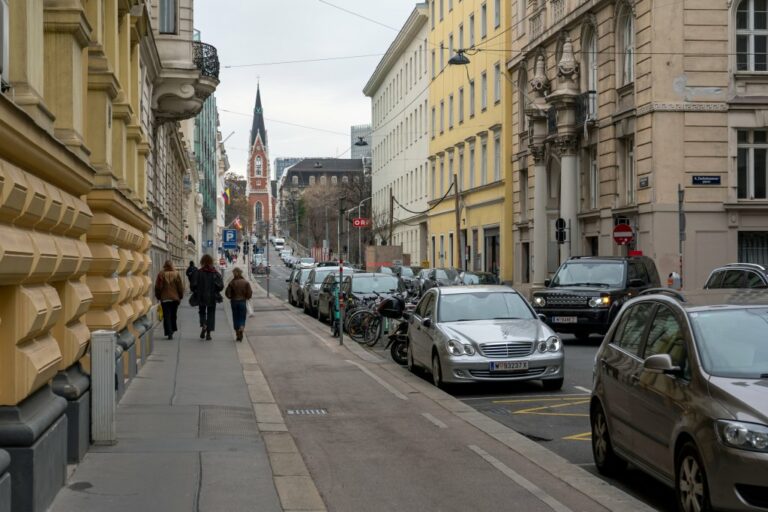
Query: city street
(557,421)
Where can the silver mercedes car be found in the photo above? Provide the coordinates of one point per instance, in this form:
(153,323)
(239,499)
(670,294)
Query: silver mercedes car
(482,333)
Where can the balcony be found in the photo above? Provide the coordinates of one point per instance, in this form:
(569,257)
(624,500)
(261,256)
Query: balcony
(189,75)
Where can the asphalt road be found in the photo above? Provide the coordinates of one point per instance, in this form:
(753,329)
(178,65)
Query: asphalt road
(559,421)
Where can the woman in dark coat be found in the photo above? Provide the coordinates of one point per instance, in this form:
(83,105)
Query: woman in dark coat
(207,285)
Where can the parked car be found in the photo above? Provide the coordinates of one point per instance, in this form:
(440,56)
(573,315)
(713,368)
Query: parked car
(306,262)
(738,275)
(326,299)
(279,243)
(328,264)
(311,288)
(422,277)
(586,293)
(469,278)
(365,285)
(487,333)
(295,286)
(259,264)
(439,277)
(679,391)
(410,280)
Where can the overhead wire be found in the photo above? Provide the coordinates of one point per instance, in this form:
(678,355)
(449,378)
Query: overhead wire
(452,185)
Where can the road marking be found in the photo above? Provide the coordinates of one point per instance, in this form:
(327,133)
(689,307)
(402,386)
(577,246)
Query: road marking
(582,388)
(536,400)
(586,436)
(520,480)
(386,385)
(535,410)
(434,420)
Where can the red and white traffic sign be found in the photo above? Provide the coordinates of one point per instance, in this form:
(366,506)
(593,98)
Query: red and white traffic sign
(623,234)
(361,222)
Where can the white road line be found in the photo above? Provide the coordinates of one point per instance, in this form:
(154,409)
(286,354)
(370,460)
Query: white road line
(386,385)
(520,480)
(434,421)
(582,388)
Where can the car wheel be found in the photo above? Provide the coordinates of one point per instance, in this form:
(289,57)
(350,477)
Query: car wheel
(437,372)
(691,486)
(552,384)
(606,460)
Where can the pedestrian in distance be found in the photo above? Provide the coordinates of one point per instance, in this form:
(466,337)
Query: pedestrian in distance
(169,289)
(207,286)
(191,269)
(239,292)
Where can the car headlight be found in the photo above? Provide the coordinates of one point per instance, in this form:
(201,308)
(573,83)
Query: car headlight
(551,344)
(745,436)
(457,348)
(599,302)
(539,301)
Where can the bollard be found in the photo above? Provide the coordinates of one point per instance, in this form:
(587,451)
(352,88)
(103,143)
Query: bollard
(103,425)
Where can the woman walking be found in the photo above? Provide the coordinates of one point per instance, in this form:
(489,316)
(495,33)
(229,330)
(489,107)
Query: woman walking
(239,292)
(169,289)
(207,285)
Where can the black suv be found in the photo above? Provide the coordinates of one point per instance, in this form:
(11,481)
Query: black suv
(738,275)
(586,293)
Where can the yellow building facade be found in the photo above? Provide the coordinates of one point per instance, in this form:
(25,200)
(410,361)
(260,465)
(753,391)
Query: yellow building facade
(469,140)
(79,113)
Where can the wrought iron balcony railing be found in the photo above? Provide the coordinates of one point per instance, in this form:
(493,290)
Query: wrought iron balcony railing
(206,59)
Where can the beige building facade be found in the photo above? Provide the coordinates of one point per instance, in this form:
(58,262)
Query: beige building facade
(91,169)
(622,109)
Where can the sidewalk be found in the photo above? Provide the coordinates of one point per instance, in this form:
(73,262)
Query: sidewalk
(187,434)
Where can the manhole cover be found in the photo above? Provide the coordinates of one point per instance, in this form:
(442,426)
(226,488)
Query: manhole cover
(218,421)
(307,412)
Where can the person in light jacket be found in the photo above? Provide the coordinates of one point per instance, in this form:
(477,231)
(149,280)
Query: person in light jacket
(169,289)
(207,284)
(239,292)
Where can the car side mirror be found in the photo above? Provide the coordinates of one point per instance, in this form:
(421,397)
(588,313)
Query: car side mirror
(427,323)
(660,363)
(542,317)
(547,282)
(636,283)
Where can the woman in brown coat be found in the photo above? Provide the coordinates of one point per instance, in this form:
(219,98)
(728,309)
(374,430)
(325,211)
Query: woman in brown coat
(239,292)
(169,289)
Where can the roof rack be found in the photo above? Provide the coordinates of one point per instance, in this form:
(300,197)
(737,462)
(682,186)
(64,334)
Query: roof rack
(748,265)
(664,291)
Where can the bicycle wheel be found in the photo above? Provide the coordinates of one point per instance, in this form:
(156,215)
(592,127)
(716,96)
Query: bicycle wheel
(373,329)
(356,327)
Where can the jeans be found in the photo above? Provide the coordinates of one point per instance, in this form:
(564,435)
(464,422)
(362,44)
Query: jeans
(239,312)
(169,316)
(207,316)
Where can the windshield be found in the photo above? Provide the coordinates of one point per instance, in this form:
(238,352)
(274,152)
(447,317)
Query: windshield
(732,342)
(386,270)
(596,273)
(479,279)
(321,272)
(445,275)
(308,260)
(304,275)
(371,284)
(462,307)
(406,272)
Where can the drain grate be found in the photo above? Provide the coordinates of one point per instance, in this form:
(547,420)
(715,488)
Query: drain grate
(218,421)
(307,412)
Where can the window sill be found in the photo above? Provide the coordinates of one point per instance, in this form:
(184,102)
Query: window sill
(747,204)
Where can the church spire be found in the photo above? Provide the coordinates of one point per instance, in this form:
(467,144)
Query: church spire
(258,120)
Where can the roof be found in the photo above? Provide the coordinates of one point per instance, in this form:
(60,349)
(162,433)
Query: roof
(327,165)
(483,288)
(701,300)
(258,126)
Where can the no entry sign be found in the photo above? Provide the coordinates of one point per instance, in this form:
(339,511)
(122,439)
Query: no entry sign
(623,234)
(361,222)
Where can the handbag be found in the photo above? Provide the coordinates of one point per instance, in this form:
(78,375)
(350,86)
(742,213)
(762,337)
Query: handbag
(194,300)
(159,310)
(249,307)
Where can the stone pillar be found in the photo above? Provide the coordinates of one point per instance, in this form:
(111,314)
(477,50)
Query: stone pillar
(537,113)
(5,482)
(564,99)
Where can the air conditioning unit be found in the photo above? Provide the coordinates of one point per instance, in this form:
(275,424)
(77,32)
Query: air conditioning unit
(4,45)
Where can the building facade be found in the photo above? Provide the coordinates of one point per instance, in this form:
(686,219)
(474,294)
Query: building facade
(612,130)
(259,190)
(470,140)
(360,141)
(92,161)
(281,164)
(399,93)
(206,159)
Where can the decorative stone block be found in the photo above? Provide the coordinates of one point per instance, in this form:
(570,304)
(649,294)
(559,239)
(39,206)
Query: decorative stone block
(74,386)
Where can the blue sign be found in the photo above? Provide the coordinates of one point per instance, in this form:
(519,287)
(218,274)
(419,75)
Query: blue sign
(230,239)
(209,243)
(706,180)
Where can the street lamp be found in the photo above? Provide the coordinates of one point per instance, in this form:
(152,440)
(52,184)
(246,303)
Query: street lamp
(361,141)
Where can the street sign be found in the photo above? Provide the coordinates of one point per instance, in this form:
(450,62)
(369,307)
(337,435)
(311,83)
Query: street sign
(209,243)
(361,222)
(230,238)
(623,234)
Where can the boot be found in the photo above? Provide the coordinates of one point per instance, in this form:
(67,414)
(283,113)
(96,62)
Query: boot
(202,333)
(240,334)
(208,336)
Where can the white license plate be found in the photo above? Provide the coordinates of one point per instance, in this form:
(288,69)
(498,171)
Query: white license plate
(508,366)
(565,320)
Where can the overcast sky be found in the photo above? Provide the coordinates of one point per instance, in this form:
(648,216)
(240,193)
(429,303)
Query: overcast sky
(326,95)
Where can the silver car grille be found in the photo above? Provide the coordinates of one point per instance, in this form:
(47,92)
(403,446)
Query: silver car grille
(532,372)
(579,301)
(503,350)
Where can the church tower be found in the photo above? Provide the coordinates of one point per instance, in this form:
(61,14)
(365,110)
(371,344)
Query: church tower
(259,193)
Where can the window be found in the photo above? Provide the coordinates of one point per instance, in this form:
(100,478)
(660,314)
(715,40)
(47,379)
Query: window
(461,104)
(442,176)
(311,180)
(433,181)
(442,3)
(442,56)
(442,116)
(496,13)
(433,122)
(295,180)
(461,169)
(524,194)
(471,98)
(666,337)
(497,83)
(629,333)
(450,5)
(590,65)
(472,165)
(752,164)
(450,111)
(483,91)
(593,179)
(433,64)
(167,17)
(258,212)
(522,101)
(334,180)
(450,45)
(497,157)
(484,162)
(259,166)
(432,14)
(471,30)
(752,36)
(345,179)
(630,176)
(521,8)
(627,35)
(483,21)
(4,44)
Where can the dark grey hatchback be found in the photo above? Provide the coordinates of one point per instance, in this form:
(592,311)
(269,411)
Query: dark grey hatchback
(681,391)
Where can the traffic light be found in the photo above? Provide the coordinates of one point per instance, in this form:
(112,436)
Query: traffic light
(245,247)
(560,234)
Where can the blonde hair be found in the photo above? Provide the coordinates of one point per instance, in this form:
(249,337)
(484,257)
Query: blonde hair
(237,272)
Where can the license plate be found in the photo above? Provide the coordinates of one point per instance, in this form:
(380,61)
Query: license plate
(565,320)
(509,366)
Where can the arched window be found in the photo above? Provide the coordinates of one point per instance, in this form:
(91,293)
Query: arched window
(334,180)
(259,166)
(626,35)
(589,65)
(322,180)
(258,212)
(311,180)
(752,36)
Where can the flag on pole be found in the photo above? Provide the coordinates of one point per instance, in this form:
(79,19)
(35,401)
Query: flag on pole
(237,223)
(227,196)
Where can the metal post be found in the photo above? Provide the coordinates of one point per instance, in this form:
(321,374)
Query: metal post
(103,407)
(327,240)
(391,214)
(341,303)
(458,221)
(269,272)
(681,227)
